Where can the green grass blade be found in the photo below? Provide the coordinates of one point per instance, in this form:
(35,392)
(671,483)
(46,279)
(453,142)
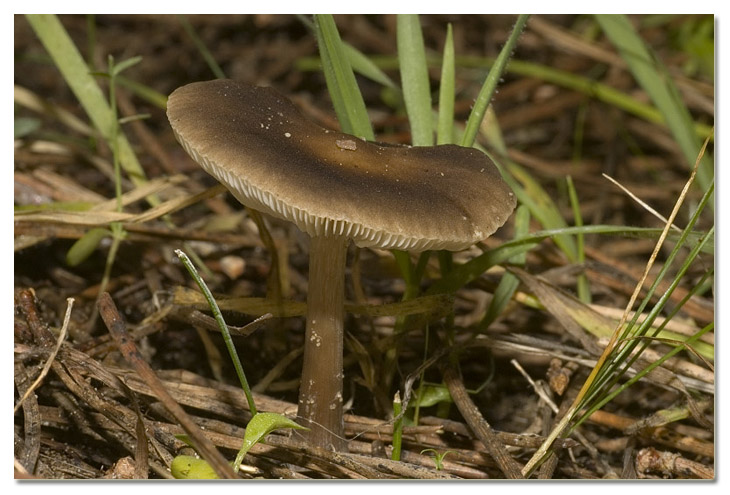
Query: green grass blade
(490,83)
(204,52)
(87,244)
(145,92)
(584,292)
(222,325)
(597,90)
(76,73)
(361,63)
(530,193)
(526,188)
(589,87)
(623,354)
(366,67)
(509,282)
(447,92)
(414,79)
(633,347)
(472,269)
(397,427)
(341,84)
(658,84)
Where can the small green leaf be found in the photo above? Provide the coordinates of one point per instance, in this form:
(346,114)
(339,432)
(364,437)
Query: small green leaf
(261,425)
(187,467)
(434,394)
(24,126)
(125,64)
(438,458)
(132,118)
(86,245)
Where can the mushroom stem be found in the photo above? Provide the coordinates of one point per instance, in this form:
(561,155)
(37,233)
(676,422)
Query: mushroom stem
(320,393)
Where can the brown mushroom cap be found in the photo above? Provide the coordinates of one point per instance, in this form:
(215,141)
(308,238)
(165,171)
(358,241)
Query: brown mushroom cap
(273,159)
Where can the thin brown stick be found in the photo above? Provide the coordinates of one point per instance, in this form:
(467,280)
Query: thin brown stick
(479,425)
(117,328)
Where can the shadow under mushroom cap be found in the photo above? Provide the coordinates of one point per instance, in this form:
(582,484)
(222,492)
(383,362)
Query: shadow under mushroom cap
(273,159)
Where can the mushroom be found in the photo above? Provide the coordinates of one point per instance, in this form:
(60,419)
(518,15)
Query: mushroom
(335,187)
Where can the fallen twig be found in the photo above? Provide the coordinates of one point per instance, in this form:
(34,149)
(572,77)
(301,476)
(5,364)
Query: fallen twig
(117,328)
(479,425)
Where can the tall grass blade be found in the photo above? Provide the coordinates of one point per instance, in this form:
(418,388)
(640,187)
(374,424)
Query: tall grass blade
(564,79)
(584,291)
(447,92)
(72,66)
(625,344)
(490,83)
(204,52)
(661,89)
(414,79)
(509,282)
(341,84)
(617,353)
(364,66)
(361,63)
(222,325)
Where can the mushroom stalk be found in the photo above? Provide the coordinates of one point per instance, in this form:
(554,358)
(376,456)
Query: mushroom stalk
(320,392)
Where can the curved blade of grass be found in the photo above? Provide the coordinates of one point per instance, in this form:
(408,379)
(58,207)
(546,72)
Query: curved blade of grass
(658,84)
(618,352)
(364,66)
(341,84)
(603,390)
(528,191)
(509,282)
(87,244)
(361,63)
(447,92)
(145,92)
(490,83)
(414,79)
(223,327)
(595,89)
(589,87)
(472,269)
(204,52)
(72,66)
(584,291)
